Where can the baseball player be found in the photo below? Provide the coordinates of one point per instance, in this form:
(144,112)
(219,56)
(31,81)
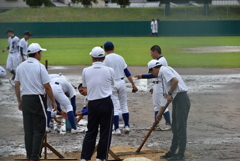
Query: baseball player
(2,73)
(23,46)
(61,86)
(119,95)
(158,98)
(98,79)
(152,27)
(84,111)
(176,92)
(12,60)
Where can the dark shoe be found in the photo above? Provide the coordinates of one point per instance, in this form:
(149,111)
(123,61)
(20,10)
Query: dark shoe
(167,155)
(177,157)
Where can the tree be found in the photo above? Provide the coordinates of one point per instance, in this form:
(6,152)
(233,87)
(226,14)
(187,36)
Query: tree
(85,3)
(38,3)
(123,3)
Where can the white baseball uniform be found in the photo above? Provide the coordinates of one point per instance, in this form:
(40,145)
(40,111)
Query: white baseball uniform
(119,95)
(158,90)
(12,60)
(153,26)
(2,72)
(60,87)
(24,45)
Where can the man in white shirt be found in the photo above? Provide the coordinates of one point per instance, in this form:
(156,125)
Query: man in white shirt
(176,92)
(158,99)
(12,60)
(119,95)
(23,46)
(31,84)
(152,27)
(156,26)
(98,79)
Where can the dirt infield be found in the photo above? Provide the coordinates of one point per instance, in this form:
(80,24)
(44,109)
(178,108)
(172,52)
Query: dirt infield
(213,124)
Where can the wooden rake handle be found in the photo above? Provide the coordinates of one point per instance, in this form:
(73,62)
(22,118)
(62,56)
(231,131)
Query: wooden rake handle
(150,131)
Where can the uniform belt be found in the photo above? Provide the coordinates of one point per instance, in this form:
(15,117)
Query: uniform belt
(155,82)
(119,79)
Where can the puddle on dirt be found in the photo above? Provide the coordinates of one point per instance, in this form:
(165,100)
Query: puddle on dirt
(213,49)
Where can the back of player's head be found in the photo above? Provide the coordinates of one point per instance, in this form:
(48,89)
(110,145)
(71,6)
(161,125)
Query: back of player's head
(108,46)
(156,48)
(80,85)
(152,19)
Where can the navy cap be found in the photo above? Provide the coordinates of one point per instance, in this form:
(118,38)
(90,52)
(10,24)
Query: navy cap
(9,30)
(28,33)
(108,45)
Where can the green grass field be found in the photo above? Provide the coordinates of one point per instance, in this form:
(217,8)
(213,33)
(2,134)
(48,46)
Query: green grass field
(136,50)
(118,14)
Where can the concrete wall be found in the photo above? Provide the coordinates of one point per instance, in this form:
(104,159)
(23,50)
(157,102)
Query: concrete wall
(12,3)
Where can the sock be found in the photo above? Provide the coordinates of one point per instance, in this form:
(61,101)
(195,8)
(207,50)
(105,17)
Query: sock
(71,119)
(13,73)
(116,122)
(167,117)
(126,119)
(49,117)
(155,114)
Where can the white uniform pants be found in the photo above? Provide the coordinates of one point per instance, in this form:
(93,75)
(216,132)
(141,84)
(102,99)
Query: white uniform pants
(158,98)
(20,58)
(2,72)
(60,97)
(119,97)
(12,62)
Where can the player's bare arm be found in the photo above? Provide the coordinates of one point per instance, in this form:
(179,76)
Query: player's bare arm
(138,76)
(135,89)
(49,92)
(17,92)
(174,84)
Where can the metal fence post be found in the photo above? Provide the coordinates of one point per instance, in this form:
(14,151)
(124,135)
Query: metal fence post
(101,14)
(122,14)
(38,14)
(80,16)
(185,13)
(227,12)
(143,14)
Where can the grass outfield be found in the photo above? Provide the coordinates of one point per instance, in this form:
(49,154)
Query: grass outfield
(55,14)
(135,50)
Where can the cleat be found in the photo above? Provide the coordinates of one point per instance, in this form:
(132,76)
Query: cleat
(117,132)
(126,130)
(75,131)
(167,127)
(167,155)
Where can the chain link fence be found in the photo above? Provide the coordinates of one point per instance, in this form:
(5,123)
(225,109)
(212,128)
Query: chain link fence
(222,11)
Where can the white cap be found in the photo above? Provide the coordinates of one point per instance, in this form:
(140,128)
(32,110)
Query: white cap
(97,52)
(35,47)
(152,64)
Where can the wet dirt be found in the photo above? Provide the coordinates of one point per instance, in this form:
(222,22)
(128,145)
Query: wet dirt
(213,123)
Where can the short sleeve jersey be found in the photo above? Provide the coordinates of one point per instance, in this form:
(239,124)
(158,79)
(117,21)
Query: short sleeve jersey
(66,86)
(116,62)
(24,44)
(13,46)
(167,74)
(99,80)
(32,76)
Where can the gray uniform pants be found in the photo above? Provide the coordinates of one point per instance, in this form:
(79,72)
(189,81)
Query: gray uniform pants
(180,110)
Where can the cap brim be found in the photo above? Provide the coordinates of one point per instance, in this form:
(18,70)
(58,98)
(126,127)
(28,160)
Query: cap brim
(43,49)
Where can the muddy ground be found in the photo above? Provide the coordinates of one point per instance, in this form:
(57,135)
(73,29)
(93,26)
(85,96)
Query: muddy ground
(213,124)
